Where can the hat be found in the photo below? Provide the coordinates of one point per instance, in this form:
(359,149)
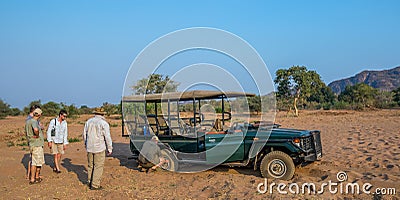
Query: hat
(99,111)
(155,138)
(37,111)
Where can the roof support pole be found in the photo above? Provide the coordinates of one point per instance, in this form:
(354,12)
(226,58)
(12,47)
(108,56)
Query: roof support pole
(223,111)
(169,116)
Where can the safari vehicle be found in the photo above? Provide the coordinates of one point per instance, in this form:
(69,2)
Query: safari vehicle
(198,139)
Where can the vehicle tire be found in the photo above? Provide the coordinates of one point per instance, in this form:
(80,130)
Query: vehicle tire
(277,164)
(172,164)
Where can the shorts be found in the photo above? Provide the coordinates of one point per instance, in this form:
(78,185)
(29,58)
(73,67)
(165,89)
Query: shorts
(37,156)
(57,148)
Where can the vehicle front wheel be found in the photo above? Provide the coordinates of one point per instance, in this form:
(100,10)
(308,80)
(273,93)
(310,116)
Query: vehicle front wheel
(277,164)
(172,163)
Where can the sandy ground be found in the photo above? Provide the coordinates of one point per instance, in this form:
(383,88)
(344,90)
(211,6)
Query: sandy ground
(364,145)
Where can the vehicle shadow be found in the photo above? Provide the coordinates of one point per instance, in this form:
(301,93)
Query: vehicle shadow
(79,170)
(239,170)
(122,152)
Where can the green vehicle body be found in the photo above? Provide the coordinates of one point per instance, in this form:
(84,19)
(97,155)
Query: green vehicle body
(242,144)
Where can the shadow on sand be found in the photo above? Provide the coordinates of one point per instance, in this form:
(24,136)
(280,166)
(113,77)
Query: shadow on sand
(240,170)
(122,152)
(48,160)
(79,170)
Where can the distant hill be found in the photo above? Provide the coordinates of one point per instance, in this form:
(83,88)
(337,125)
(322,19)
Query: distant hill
(386,80)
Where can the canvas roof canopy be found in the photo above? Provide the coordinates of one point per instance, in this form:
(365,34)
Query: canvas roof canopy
(184,96)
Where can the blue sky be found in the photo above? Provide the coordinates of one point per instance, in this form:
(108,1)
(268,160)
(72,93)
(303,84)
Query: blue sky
(78,52)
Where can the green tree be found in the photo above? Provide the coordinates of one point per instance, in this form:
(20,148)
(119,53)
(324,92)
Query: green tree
(324,95)
(51,108)
(72,110)
(296,85)
(27,109)
(4,109)
(384,99)
(84,109)
(396,96)
(359,95)
(111,109)
(254,104)
(15,112)
(155,83)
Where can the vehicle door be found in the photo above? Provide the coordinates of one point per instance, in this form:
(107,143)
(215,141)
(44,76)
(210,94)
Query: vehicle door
(223,146)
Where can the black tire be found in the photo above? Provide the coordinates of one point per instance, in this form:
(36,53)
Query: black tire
(278,165)
(172,164)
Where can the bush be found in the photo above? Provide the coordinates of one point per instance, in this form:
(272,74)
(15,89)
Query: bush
(72,110)
(72,140)
(85,110)
(341,105)
(51,108)
(218,110)
(326,106)
(5,110)
(26,109)
(313,105)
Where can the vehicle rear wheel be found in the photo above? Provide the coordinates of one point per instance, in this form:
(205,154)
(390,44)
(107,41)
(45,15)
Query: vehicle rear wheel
(277,164)
(172,163)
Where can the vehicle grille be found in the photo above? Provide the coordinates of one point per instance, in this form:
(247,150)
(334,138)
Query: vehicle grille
(318,144)
(307,143)
(312,144)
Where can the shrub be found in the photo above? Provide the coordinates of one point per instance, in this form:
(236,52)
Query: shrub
(341,105)
(72,140)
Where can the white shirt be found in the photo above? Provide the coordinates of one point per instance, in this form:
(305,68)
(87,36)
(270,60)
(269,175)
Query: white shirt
(61,136)
(96,135)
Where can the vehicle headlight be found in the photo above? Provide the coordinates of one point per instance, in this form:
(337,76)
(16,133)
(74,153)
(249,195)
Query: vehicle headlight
(296,141)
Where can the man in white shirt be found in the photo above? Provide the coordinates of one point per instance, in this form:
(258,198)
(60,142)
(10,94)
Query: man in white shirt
(97,138)
(57,138)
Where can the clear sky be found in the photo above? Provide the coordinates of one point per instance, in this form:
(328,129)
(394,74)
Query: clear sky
(78,52)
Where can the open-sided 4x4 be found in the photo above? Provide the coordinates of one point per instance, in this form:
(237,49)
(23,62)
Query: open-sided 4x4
(195,139)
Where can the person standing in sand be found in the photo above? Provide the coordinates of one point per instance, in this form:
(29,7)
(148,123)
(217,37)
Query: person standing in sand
(97,138)
(30,116)
(36,142)
(57,138)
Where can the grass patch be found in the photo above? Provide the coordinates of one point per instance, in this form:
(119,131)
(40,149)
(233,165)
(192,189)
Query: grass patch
(71,140)
(114,125)
(10,144)
(22,144)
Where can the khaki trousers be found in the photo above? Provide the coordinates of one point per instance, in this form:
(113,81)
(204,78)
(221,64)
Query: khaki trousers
(95,168)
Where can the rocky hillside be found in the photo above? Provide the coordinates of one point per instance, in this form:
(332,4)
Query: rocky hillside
(385,80)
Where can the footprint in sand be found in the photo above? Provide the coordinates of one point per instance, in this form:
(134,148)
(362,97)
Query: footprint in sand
(389,166)
(368,175)
(384,176)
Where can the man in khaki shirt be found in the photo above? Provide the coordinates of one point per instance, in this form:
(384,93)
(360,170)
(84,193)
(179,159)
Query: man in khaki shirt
(36,142)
